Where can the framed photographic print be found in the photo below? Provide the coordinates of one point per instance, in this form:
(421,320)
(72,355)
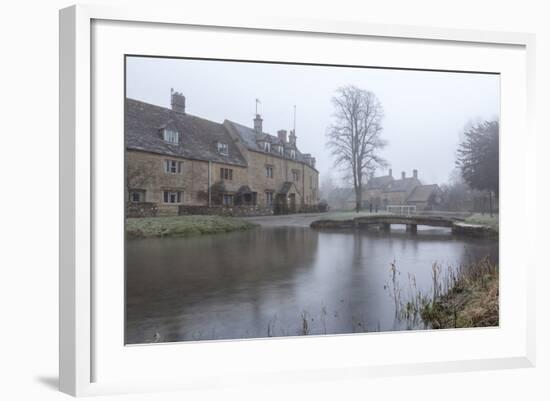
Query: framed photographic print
(277,200)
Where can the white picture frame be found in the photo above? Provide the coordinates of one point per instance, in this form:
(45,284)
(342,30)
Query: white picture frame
(82,343)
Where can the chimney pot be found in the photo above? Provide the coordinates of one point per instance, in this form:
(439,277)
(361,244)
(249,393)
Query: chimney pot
(281,134)
(415,173)
(390,173)
(258,124)
(402,175)
(178,102)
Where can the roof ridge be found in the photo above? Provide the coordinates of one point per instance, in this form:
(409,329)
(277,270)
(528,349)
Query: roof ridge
(169,109)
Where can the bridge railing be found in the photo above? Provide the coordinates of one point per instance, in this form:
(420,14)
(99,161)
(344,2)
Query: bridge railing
(403,210)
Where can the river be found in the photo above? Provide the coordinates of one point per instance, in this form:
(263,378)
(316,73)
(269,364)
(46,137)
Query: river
(281,281)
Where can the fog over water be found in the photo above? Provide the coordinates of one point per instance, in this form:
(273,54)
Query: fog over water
(425,112)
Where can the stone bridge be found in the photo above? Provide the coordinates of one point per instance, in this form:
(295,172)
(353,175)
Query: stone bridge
(384,222)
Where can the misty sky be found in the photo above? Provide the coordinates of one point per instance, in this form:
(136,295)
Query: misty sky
(425,112)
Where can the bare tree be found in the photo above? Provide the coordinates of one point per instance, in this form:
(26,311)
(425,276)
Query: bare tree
(355,135)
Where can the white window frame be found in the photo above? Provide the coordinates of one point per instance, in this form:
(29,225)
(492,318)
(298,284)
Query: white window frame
(172,166)
(223,148)
(171,136)
(167,195)
(226,171)
(269,171)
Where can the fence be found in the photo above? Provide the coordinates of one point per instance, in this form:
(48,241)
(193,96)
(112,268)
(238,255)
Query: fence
(401,209)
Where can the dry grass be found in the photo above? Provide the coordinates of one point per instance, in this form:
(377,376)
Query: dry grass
(471,301)
(463,297)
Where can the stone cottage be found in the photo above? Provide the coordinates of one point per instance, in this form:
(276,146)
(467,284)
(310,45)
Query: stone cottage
(383,191)
(176,160)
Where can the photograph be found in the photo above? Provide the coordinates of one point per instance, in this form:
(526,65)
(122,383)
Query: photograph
(277,199)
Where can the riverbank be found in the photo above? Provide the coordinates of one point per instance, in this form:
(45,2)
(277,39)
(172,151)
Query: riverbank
(484,219)
(183,226)
(471,301)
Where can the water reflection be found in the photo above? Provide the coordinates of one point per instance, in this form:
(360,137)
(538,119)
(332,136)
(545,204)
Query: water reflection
(266,281)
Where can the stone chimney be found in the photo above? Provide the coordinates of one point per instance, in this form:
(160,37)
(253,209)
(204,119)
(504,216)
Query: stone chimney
(292,137)
(415,173)
(281,134)
(258,124)
(402,175)
(178,101)
(390,173)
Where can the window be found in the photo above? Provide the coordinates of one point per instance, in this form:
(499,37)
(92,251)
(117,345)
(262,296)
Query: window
(267,147)
(227,199)
(226,173)
(137,195)
(295,175)
(173,166)
(171,136)
(223,148)
(269,171)
(269,199)
(172,196)
(279,149)
(292,154)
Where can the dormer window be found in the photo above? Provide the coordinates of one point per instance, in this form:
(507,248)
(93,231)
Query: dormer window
(292,154)
(223,149)
(279,149)
(171,136)
(267,147)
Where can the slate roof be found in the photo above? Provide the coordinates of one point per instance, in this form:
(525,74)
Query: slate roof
(422,193)
(287,186)
(198,137)
(248,135)
(379,182)
(402,185)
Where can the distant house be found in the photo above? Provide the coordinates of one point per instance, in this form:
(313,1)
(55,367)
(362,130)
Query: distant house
(425,197)
(380,192)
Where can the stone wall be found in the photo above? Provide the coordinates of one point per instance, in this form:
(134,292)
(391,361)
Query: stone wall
(147,173)
(307,184)
(141,209)
(232,211)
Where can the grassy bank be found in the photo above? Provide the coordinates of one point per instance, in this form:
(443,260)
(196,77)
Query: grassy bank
(183,226)
(472,299)
(484,219)
(463,297)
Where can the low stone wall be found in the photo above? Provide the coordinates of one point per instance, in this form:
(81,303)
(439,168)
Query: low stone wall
(474,230)
(232,211)
(141,209)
